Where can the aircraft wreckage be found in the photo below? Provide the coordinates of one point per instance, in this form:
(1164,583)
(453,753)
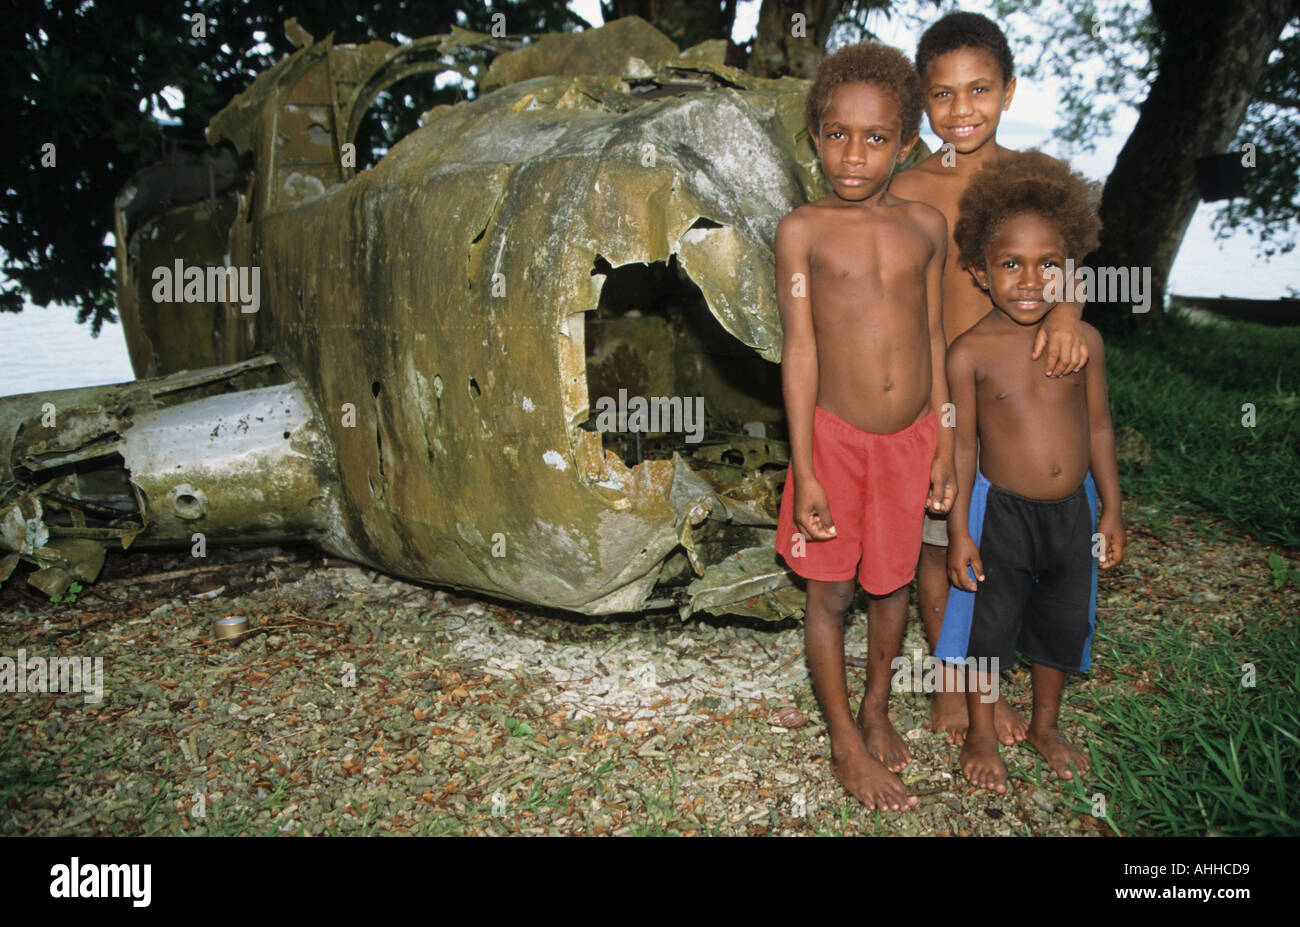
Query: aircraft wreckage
(441,343)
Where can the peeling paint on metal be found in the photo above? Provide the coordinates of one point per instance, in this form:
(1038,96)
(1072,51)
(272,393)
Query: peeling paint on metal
(442,298)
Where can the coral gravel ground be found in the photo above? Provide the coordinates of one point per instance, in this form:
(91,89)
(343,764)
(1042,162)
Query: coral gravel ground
(360,704)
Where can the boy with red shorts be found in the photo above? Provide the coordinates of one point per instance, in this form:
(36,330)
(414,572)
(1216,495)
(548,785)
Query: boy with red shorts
(859,285)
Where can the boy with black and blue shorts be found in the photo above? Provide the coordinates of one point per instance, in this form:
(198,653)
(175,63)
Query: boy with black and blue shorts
(1024,535)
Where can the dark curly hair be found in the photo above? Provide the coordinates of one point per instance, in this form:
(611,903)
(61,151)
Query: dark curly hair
(871,63)
(1020,182)
(964,30)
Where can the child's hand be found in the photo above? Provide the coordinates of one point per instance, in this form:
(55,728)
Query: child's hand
(1067,350)
(943,486)
(963,553)
(812,512)
(1111,529)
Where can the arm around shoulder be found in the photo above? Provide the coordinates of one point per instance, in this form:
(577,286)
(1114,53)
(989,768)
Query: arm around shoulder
(1063,335)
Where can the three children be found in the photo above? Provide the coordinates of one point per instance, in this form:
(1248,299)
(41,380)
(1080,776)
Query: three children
(862,275)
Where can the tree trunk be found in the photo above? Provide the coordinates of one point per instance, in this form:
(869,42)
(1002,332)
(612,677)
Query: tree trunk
(789,46)
(1210,62)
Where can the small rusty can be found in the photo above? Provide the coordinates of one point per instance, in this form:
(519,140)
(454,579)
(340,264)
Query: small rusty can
(224,628)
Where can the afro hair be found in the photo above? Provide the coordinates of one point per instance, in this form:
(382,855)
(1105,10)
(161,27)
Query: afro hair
(1020,182)
(964,30)
(872,63)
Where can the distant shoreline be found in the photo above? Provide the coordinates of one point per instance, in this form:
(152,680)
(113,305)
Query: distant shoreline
(1278,312)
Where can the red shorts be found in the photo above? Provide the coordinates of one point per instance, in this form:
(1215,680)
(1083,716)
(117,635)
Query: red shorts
(876,486)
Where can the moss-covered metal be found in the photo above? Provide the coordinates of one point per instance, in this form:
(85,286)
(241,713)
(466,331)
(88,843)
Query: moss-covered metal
(432,315)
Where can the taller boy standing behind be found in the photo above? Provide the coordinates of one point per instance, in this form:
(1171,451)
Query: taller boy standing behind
(858,284)
(966,72)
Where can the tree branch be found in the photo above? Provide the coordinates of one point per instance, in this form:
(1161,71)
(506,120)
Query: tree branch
(1286,102)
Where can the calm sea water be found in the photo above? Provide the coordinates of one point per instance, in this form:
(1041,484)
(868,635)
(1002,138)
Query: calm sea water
(44,349)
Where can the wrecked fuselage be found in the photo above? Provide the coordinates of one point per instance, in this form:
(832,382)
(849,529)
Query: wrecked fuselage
(232,454)
(450,335)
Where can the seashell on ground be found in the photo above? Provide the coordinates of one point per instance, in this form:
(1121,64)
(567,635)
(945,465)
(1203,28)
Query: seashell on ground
(790,717)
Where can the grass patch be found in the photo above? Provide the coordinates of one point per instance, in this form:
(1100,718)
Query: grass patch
(661,811)
(1184,386)
(1202,753)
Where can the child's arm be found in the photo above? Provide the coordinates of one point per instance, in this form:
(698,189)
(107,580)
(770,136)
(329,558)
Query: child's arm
(799,374)
(943,481)
(1105,470)
(962,551)
(1062,334)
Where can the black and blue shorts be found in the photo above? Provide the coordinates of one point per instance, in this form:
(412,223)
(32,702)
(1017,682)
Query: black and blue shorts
(1039,595)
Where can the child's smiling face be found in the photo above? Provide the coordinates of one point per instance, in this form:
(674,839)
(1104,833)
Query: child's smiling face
(1018,262)
(861,140)
(965,97)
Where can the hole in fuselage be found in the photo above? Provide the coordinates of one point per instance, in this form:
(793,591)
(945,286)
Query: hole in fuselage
(652,337)
(188,505)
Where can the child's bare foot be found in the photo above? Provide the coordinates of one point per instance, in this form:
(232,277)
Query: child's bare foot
(948,715)
(982,763)
(1010,724)
(864,776)
(882,741)
(1059,752)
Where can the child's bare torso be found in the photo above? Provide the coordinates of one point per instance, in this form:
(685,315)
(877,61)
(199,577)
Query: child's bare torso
(869,312)
(929,182)
(1035,434)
